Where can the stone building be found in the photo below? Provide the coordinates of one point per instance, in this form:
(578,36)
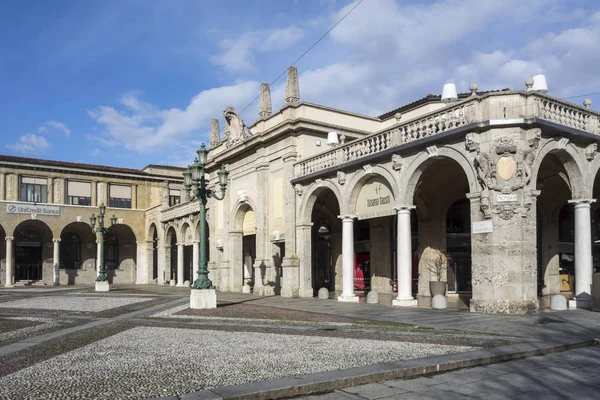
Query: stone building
(503,182)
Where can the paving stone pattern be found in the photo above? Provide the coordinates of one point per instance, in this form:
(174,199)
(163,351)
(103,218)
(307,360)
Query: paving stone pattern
(72,303)
(144,362)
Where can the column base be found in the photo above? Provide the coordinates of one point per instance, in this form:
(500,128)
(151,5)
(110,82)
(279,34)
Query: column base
(56,284)
(404,302)
(203,298)
(581,303)
(348,299)
(9,285)
(102,286)
(180,285)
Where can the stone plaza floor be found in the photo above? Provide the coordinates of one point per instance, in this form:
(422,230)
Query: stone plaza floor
(144,342)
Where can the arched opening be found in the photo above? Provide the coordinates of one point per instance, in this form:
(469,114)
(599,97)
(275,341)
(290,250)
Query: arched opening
(596,224)
(248,246)
(2,254)
(186,239)
(326,242)
(33,251)
(120,253)
(171,254)
(153,259)
(458,246)
(76,249)
(555,229)
(443,214)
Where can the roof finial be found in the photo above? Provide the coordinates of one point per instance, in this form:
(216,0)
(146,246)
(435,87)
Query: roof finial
(587,103)
(264,102)
(292,90)
(215,136)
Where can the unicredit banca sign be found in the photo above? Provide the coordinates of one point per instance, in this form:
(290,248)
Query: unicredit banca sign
(12,208)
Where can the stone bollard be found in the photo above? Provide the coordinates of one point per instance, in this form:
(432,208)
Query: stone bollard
(323,293)
(373,297)
(439,302)
(172,282)
(155,281)
(186,283)
(246,289)
(558,302)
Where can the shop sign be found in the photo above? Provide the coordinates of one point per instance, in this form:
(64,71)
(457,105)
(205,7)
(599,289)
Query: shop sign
(374,197)
(484,226)
(12,208)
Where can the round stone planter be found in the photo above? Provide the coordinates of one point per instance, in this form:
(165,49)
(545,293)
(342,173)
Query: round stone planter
(437,288)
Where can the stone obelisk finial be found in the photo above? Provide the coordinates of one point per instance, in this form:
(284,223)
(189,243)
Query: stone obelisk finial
(264,102)
(215,137)
(292,90)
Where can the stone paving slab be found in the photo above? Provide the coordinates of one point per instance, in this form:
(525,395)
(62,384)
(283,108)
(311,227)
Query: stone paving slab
(131,364)
(70,303)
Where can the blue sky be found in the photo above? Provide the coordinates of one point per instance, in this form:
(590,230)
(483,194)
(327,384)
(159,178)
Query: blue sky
(131,83)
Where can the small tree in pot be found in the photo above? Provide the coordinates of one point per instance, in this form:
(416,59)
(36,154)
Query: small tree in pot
(438,267)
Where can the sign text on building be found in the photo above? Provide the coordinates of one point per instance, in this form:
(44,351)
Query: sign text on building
(484,226)
(12,208)
(506,198)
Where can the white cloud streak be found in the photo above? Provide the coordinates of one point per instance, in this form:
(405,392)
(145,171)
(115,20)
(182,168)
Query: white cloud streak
(30,144)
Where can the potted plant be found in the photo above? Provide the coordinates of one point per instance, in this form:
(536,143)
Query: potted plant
(438,267)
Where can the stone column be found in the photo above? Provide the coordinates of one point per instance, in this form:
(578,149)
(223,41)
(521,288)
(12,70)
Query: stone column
(348,260)
(56,262)
(143,267)
(583,253)
(180,264)
(2,186)
(304,236)
(98,252)
(195,259)
(262,264)
(134,205)
(293,282)
(236,268)
(94,197)
(404,259)
(9,262)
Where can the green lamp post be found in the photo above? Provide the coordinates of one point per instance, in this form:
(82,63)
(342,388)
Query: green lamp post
(196,178)
(101,279)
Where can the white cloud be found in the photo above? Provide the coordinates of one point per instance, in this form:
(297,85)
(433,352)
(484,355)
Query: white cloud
(60,126)
(42,129)
(238,54)
(143,127)
(30,144)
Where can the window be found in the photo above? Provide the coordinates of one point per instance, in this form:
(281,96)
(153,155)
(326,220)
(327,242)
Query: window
(120,196)
(174,197)
(34,190)
(70,249)
(79,193)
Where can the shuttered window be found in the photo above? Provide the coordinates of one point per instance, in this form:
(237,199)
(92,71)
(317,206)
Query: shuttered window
(119,196)
(79,193)
(34,190)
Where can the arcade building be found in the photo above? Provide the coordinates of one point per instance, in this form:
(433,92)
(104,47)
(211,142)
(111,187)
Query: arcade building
(504,183)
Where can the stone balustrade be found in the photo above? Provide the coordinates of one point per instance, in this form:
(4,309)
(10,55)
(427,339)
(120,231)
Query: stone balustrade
(180,210)
(468,111)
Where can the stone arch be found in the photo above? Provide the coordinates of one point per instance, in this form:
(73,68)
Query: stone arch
(170,230)
(311,196)
(35,260)
(185,234)
(152,251)
(239,210)
(360,178)
(419,164)
(76,247)
(572,162)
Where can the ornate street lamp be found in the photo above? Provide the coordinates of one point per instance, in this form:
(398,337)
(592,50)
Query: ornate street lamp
(101,279)
(197,179)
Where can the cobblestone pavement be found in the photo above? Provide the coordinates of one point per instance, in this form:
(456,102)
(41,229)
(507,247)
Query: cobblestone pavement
(572,374)
(143,341)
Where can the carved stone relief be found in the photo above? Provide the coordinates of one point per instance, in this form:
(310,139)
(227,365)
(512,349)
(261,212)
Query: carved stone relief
(502,172)
(397,162)
(235,129)
(341,176)
(10,187)
(299,189)
(590,151)
(472,141)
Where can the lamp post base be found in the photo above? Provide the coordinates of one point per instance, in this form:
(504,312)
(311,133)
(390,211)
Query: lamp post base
(203,298)
(102,286)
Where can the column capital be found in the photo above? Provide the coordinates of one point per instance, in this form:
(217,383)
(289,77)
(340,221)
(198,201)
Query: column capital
(56,240)
(180,244)
(304,225)
(347,217)
(9,238)
(404,207)
(581,202)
